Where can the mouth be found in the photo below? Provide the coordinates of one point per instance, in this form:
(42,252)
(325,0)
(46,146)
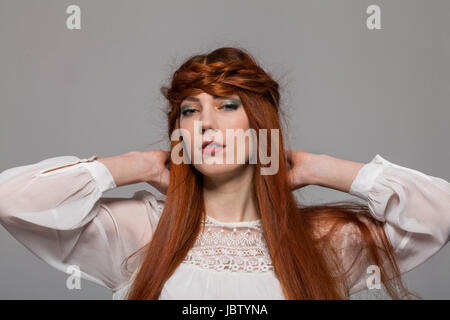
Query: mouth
(212,147)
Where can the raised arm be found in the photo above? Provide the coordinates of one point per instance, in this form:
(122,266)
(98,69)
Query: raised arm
(414,207)
(56,210)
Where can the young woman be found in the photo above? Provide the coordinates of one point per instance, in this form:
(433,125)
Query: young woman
(225,230)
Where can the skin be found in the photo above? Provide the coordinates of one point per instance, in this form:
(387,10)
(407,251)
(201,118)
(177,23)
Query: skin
(227,187)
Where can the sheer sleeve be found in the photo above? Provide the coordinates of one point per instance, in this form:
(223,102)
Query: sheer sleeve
(414,208)
(56,210)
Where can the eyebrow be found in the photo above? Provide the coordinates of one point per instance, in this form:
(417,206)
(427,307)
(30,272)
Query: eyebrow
(190,98)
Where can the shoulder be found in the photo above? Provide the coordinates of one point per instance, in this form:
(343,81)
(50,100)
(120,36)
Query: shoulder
(337,233)
(142,206)
(154,203)
(340,240)
(341,224)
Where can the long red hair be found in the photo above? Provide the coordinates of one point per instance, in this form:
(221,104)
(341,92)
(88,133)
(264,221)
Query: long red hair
(303,241)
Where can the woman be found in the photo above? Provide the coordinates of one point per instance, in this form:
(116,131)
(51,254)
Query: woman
(225,230)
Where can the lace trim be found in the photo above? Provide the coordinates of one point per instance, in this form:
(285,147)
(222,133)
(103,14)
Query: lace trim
(231,246)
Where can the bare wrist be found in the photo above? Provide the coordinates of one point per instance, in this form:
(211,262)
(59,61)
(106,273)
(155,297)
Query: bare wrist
(335,173)
(148,172)
(314,173)
(125,168)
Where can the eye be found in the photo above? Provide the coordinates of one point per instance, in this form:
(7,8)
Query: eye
(230,105)
(187,112)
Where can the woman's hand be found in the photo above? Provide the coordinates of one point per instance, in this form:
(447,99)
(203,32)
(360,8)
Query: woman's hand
(157,166)
(301,168)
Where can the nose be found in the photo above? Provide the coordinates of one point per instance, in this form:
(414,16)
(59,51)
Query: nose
(209,121)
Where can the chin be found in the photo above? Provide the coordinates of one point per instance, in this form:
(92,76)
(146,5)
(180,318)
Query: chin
(218,170)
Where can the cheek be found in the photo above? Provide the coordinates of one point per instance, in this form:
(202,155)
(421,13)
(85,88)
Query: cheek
(241,139)
(187,134)
(239,121)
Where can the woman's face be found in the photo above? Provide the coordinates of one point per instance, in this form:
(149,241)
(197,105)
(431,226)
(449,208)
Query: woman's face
(217,114)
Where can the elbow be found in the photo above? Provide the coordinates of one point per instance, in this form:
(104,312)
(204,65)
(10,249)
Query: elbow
(4,198)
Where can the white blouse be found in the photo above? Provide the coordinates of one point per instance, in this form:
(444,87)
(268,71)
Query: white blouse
(63,219)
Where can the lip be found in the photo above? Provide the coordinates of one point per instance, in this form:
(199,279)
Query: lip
(205,143)
(211,150)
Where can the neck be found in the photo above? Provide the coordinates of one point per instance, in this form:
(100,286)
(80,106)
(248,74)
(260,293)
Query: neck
(230,198)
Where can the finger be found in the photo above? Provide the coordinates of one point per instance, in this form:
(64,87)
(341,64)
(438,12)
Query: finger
(290,180)
(167,164)
(167,159)
(165,178)
(288,157)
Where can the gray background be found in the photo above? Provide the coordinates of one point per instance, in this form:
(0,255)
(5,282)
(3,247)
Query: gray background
(350,92)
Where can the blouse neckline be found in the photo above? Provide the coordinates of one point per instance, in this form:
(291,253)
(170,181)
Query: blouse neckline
(235,224)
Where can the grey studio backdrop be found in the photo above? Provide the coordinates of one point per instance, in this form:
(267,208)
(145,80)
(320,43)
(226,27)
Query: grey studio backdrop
(350,92)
